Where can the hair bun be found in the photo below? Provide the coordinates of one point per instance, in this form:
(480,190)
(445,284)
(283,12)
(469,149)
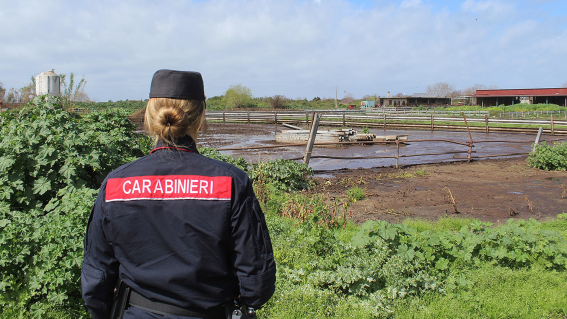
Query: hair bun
(171,122)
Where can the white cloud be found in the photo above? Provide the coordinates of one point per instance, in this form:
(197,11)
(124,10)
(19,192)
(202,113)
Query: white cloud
(492,6)
(410,3)
(298,49)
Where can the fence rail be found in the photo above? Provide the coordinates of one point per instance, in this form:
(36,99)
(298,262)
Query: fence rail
(553,126)
(468,152)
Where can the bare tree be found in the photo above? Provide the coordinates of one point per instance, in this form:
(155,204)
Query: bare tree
(565,85)
(27,93)
(442,88)
(348,98)
(13,96)
(81,96)
(472,90)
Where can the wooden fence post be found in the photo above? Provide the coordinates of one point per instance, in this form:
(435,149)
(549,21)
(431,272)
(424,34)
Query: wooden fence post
(344,119)
(486,122)
(538,136)
(276,117)
(384,121)
(431,122)
(223,117)
(552,126)
(311,141)
(397,153)
(248,116)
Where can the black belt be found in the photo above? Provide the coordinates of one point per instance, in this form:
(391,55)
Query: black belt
(161,308)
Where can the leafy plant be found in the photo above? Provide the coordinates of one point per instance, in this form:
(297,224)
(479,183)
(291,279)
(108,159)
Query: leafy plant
(356,194)
(51,167)
(549,157)
(284,174)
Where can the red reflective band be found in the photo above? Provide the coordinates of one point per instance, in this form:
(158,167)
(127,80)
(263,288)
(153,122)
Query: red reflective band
(169,187)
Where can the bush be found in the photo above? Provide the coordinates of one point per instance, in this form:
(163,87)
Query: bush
(549,157)
(283,174)
(51,168)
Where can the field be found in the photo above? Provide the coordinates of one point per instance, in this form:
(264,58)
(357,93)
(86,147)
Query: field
(467,240)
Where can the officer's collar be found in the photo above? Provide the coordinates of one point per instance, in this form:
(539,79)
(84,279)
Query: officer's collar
(184,143)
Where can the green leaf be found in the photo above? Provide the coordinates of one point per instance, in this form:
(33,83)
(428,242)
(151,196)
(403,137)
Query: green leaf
(41,185)
(442,264)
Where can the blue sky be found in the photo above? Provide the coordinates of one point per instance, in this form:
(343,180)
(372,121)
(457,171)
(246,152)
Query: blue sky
(297,48)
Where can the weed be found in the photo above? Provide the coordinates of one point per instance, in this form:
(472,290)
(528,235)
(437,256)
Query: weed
(530,205)
(421,172)
(451,199)
(355,194)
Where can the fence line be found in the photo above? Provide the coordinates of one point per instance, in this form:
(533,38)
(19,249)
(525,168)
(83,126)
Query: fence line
(553,126)
(469,145)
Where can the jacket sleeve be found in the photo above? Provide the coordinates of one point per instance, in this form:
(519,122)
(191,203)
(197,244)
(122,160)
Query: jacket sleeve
(253,258)
(100,268)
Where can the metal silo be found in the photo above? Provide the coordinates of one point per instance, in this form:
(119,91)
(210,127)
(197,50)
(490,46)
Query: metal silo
(47,83)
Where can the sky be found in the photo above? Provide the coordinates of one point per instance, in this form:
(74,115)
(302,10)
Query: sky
(295,48)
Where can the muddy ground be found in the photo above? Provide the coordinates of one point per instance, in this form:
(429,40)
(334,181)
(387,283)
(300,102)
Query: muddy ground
(490,190)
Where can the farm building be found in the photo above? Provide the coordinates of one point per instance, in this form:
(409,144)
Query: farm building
(514,96)
(416,99)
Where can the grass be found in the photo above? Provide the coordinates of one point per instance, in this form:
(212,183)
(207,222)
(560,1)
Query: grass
(420,172)
(484,290)
(496,292)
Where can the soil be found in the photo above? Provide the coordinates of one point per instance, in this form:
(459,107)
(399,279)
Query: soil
(491,190)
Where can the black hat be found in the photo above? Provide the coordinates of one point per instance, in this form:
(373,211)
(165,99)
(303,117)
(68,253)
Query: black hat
(177,85)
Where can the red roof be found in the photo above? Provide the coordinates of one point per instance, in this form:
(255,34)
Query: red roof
(522,92)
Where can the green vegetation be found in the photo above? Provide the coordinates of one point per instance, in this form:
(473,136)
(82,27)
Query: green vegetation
(238,96)
(549,157)
(128,106)
(52,165)
(356,194)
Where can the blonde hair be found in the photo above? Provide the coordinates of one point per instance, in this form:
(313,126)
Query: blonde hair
(169,119)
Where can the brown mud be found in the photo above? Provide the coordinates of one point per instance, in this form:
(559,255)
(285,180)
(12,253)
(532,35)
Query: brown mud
(489,190)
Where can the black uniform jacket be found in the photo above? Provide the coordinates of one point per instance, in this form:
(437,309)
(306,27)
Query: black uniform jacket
(178,228)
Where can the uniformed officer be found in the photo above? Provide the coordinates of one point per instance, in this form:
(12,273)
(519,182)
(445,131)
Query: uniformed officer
(183,232)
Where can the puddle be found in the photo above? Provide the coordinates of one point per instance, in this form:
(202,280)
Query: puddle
(324,176)
(517,193)
(260,134)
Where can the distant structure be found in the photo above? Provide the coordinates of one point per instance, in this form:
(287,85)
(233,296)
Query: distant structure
(417,99)
(47,83)
(515,96)
(368,103)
